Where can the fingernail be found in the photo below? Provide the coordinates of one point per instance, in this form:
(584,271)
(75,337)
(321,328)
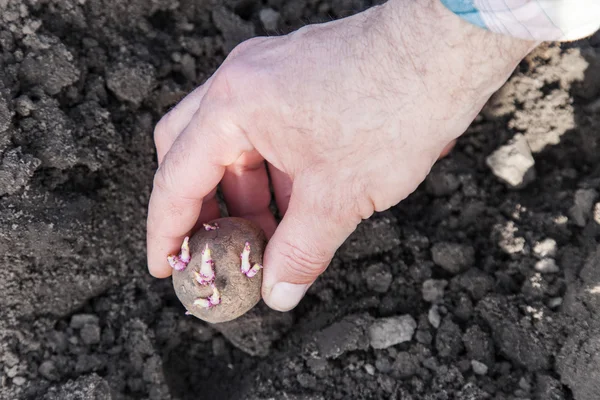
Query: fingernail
(285,296)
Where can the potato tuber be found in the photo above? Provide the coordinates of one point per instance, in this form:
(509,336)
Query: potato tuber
(218,274)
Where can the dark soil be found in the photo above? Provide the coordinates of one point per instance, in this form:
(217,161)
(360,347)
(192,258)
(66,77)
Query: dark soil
(457,308)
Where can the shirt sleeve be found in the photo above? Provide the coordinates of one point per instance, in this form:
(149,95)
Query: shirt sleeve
(540,20)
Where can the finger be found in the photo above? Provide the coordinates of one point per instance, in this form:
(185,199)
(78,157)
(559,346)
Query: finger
(245,187)
(191,169)
(282,185)
(210,210)
(175,121)
(305,241)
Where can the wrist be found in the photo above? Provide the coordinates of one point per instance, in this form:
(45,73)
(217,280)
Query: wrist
(461,65)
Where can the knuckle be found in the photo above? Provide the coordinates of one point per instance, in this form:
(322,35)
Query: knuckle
(160,180)
(304,262)
(242,47)
(162,128)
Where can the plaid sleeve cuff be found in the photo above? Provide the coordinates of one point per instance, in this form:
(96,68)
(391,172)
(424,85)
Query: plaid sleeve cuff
(540,20)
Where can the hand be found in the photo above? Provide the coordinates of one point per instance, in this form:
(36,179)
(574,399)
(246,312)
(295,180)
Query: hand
(346,118)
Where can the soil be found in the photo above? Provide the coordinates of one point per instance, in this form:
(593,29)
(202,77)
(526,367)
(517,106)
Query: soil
(442,297)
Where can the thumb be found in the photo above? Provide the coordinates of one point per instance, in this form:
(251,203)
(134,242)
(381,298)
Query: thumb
(302,247)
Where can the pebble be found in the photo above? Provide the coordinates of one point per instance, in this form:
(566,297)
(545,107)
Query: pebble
(12,371)
(478,367)
(269,18)
(10,359)
(370,369)
(79,320)
(547,266)
(597,213)
(434,316)
(440,182)
(19,380)
(513,163)
(555,302)
(378,277)
(48,370)
(582,206)
(433,290)
(24,106)
(545,248)
(453,257)
(386,332)
(343,336)
(90,334)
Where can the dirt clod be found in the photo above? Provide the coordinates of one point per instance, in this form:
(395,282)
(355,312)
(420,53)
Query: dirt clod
(386,332)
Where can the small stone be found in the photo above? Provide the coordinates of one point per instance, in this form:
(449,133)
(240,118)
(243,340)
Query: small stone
(19,380)
(545,248)
(370,369)
(48,370)
(524,384)
(346,335)
(582,206)
(479,368)
(269,18)
(24,106)
(453,257)
(434,316)
(13,371)
(90,334)
(555,302)
(383,365)
(386,332)
(79,320)
(547,266)
(513,163)
(433,290)
(441,182)
(378,277)
(10,359)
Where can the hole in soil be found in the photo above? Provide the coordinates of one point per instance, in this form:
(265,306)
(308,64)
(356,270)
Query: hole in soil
(245,9)
(162,20)
(79,179)
(191,376)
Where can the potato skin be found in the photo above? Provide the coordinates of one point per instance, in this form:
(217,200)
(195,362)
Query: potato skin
(239,293)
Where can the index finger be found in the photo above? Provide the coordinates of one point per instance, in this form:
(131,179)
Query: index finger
(191,169)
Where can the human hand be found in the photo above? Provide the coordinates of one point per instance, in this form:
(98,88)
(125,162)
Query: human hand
(346,118)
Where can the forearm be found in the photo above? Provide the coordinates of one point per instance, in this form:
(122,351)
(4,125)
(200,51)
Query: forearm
(469,63)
